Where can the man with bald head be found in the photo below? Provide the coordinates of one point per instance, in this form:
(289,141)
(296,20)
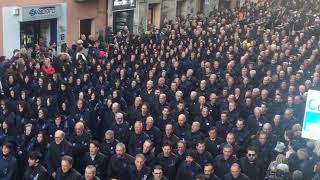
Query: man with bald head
(80,140)
(137,139)
(153,132)
(57,149)
(148,93)
(195,135)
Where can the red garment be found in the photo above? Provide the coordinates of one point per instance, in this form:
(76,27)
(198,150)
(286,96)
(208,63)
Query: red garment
(49,70)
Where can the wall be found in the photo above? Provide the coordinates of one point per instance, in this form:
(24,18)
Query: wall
(85,10)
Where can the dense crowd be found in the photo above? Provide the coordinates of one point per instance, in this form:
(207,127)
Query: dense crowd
(217,97)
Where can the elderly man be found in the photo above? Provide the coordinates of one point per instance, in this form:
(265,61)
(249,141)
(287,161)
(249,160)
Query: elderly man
(120,163)
(56,150)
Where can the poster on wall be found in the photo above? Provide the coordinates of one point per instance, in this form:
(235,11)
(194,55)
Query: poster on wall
(120,5)
(311,122)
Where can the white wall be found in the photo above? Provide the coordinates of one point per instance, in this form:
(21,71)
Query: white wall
(11,31)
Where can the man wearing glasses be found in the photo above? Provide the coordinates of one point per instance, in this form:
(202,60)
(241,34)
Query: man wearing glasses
(251,165)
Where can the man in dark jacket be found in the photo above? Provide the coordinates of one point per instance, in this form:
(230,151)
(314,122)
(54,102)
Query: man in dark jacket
(121,128)
(108,146)
(35,170)
(168,161)
(96,158)
(209,172)
(188,169)
(90,173)
(158,173)
(66,172)
(251,166)
(235,173)
(80,140)
(120,163)
(224,161)
(140,171)
(202,156)
(8,163)
(137,139)
(57,149)
(213,142)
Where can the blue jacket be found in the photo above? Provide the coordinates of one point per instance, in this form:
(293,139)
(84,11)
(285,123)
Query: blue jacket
(8,167)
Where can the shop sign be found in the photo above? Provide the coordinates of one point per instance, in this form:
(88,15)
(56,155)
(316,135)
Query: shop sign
(33,13)
(119,5)
(311,123)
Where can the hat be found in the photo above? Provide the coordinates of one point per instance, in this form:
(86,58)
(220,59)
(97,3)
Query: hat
(280,147)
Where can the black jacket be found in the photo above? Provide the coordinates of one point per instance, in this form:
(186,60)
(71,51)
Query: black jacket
(222,166)
(168,165)
(188,172)
(99,162)
(144,174)
(121,131)
(213,146)
(241,177)
(39,173)
(203,158)
(119,167)
(71,175)
(253,170)
(8,167)
(55,152)
(136,142)
(108,149)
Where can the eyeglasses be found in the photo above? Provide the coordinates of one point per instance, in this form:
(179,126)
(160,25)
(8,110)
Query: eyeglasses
(251,155)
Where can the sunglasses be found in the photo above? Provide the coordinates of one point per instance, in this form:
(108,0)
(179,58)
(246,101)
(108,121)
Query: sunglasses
(251,155)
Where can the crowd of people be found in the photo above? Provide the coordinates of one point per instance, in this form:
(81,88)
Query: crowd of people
(216,97)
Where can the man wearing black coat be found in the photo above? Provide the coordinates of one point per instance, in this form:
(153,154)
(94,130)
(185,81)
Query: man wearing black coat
(108,146)
(137,139)
(213,142)
(195,135)
(120,164)
(96,158)
(153,132)
(80,140)
(188,169)
(224,161)
(208,172)
(8,163)
(235,173)
(121,128)
(168,162)
(202,156)
(35,169)
(66,172)
(140,171)
(251,166)
(56,150)
(90,173)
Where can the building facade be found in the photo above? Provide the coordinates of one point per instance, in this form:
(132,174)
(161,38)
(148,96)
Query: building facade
(60,21)
(143,13)
(63,21)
